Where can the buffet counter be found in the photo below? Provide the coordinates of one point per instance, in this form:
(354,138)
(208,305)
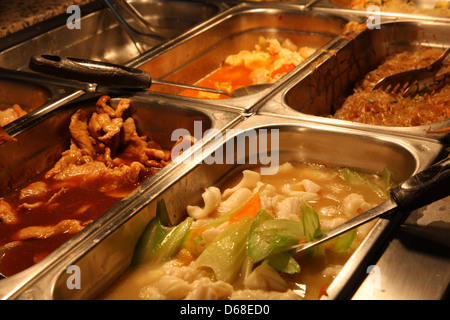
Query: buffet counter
(95,160)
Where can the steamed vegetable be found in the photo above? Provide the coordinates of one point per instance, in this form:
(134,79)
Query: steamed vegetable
(226,254)
(268,235)
(249,209)
(249,239)
(160,242)
(311,223)
(311,227)
(342,243)
(354,178)
(162,214)
(284,262)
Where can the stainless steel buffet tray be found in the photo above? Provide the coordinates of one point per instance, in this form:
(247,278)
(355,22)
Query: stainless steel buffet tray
(342,4)
(105,252)
(102,37)
(318,92)
(195,54)
(41,145)
(29,96)
(35,94)
(292,106)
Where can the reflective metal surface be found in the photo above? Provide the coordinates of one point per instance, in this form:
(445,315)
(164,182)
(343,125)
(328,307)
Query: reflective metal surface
(28,96)
(420,4)
(419,253)
(36,94)
(104,254)
(41,145)
(195,54)
(297,106)
(316,94)
(101,37)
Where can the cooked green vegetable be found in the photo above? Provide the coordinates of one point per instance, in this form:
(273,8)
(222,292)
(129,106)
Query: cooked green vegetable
(247,268)
(284,262)
(159,242)
(247,209)
(312,230)
(245,242)
(354,178)
(226,254)
(387,179)
(311,223)
(269,235)
(311,226)
(342,243)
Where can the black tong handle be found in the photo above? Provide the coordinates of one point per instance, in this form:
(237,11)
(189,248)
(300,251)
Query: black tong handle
(85,70)
(424,187)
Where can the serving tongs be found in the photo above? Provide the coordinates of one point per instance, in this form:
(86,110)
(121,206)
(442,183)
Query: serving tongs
(142,33)
(415,81)
(425,187)
(117,76)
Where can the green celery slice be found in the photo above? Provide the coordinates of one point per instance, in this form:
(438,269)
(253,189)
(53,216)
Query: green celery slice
(159,243)
(226,254)
(284,262)
(269,235)
(354,178)
(311,225)
(342,243)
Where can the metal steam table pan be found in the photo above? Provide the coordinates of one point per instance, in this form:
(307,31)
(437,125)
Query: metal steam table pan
(196,53)
(102,37)
(105,253)
(39,146)
(318,92)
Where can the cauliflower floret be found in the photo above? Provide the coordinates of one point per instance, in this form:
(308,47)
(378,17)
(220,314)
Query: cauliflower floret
(274,46)
(260,76)
(288,44)
(286,57)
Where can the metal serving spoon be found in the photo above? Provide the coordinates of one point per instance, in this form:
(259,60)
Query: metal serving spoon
(113,75)
(425,187)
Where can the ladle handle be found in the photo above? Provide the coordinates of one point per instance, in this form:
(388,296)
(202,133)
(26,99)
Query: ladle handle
(424,187)
(85,70)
